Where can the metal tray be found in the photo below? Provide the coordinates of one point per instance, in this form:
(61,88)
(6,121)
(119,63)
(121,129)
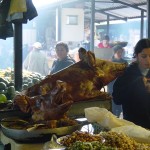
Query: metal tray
(77,109)
(37,135)
(13,113)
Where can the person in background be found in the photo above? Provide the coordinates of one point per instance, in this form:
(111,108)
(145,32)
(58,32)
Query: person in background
(36,60)
(117,57)
(118,54)
(105,42)
(87,43)
(25,51)
(132,89)
(63,59)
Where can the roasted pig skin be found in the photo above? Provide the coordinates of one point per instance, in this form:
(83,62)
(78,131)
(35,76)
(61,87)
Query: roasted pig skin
(84,81)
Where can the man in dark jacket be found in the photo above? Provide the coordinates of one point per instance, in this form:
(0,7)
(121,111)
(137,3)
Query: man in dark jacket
(63,60)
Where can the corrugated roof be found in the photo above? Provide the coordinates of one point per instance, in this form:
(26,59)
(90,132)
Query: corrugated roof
(116,9)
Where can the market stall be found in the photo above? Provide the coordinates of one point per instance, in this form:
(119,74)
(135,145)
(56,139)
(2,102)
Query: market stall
(54,105)
(47,104)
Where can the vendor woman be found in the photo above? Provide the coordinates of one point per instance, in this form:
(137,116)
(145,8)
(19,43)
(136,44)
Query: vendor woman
(132,89)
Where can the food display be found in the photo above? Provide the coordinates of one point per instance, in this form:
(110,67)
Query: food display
(29,78)
(103,141)
(6,88)
(7,85)
(79,136)
(138,133)
(110,122)
(122,141)
(95,145)
(51,98)
(24,124)
(24,130)
(97,73)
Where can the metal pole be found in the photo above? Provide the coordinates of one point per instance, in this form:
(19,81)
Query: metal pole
(142,24)
(18,56)
(58,23)
(92,25)
(107,25)
(148,18)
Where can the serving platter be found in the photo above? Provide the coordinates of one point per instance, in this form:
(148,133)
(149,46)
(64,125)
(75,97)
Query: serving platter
(37,135)
(60,139)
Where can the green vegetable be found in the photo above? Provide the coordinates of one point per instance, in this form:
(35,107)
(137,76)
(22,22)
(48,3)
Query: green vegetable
(95,145)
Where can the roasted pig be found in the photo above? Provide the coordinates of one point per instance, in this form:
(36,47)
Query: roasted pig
(79,82)
(84,79)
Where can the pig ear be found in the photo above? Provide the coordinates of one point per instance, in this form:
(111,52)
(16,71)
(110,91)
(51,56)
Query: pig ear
(81,49)
(82,53)
(91,59)
(87,57)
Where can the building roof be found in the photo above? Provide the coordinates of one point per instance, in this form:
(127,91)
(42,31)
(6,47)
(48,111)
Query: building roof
(118,9)
(115,9)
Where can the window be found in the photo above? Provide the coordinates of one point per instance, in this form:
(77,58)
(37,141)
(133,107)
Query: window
(72,20)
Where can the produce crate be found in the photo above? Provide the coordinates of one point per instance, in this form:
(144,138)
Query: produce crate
(77,109)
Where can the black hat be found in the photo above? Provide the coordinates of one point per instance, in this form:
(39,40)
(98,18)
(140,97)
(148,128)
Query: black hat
(116,48)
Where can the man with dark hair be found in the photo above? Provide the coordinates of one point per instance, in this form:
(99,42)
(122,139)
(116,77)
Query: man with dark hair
(63,60)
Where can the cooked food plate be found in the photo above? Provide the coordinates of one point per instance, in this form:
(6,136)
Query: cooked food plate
(23,130)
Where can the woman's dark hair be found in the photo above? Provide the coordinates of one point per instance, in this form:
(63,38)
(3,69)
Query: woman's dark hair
(62,44)
(141,44)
